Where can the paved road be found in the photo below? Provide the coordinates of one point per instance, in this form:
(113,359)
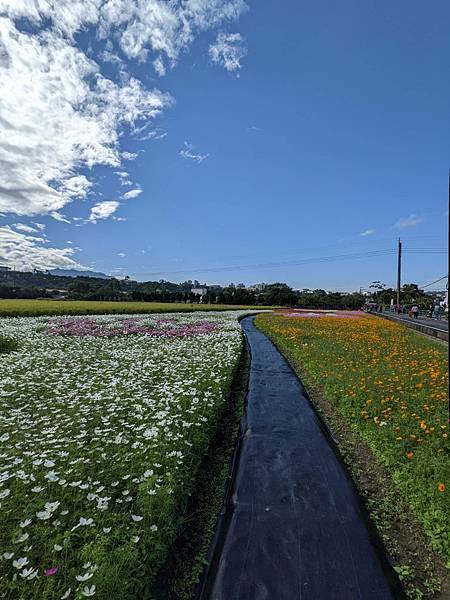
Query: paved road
(441,324)
(294,529)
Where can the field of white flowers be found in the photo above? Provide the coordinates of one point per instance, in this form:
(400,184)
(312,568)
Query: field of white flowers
(103,423)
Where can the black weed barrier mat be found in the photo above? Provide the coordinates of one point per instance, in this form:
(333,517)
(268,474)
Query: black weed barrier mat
(293,525)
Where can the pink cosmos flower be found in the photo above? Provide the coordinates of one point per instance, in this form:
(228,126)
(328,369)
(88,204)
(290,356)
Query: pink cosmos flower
(51,571)
(164,328)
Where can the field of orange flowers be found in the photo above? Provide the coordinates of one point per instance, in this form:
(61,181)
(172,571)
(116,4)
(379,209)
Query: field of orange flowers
(390,384)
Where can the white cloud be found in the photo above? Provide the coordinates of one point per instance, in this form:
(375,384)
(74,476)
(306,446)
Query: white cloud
(59,217)
(108,55)
(164,27)
(103,210)
(367,232)
(40,226)
(122,254)
(25,228)
(124,177)
(228,51)
(59,114)
(188,152)
(132,194)
(27,252)
(129,155)
(410,221)
(146,133)
(159,66)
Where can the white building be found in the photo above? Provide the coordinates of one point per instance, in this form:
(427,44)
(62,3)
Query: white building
(199,291)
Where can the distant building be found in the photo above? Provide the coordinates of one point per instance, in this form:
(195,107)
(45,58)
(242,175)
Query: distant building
(258,287)
(199,291)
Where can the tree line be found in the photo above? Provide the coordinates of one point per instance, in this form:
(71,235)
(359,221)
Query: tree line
(41,285)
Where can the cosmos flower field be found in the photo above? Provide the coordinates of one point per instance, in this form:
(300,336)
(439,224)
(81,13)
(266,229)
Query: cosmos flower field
(104,421)
(391,387)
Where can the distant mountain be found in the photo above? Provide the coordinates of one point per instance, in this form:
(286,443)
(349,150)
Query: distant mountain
(75,273)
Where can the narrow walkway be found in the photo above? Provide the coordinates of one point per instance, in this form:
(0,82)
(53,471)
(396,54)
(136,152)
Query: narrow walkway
(294,528)
(437,323)
(431,327)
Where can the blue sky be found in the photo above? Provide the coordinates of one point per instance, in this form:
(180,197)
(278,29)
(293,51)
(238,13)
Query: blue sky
(321,129)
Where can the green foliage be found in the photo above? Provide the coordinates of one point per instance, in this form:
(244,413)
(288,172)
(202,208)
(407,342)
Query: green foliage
(7,345)
(36,308)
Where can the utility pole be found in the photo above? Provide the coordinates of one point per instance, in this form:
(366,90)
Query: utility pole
(399,273)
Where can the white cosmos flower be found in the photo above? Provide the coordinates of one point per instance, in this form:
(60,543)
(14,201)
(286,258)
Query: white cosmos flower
(8,555)
(153,528)
(4,437)
(29,573)
(57,547)
(66,594)
(49,463)
(22,538)
(88,591)
(84,577)
(136,518)
(20,562)
(43,515)
(135,539)
(5,493)
(25,523)
(84,523)
(37,489)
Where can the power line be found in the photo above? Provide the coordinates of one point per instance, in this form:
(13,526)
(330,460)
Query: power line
(422,287)
(322,259)
(295,262)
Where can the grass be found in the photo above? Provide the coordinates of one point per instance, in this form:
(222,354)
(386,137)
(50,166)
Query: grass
(385,391)
(7,345)
(102,439)
(36,308)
